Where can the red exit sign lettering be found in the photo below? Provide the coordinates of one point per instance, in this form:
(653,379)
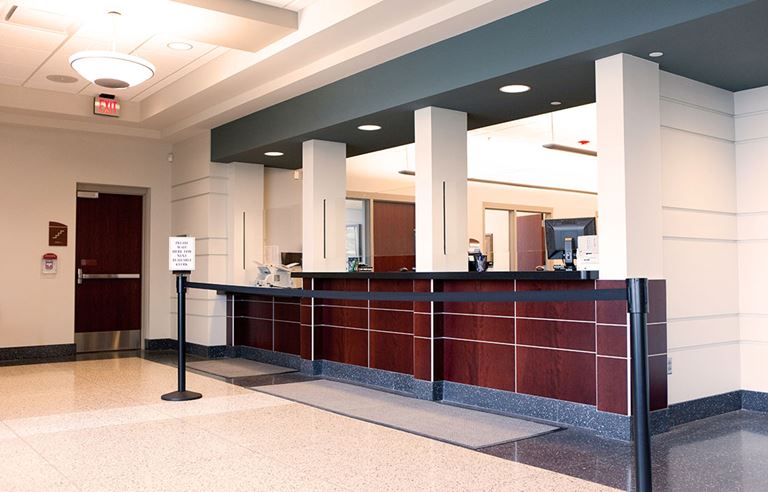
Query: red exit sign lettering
(106,106)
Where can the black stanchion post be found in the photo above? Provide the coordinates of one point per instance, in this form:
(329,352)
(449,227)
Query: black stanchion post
(637,297)
(182,394)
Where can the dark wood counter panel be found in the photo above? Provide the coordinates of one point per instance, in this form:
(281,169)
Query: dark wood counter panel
(569,351)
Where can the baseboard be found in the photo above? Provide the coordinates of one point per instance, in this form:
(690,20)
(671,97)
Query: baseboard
(41,352)
(209,352)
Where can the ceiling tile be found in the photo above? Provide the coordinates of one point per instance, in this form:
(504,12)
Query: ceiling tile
(11,35)
(25,57)
(15,71)
(9,81)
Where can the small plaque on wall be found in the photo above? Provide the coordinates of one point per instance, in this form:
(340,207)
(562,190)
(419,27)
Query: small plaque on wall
(57,234)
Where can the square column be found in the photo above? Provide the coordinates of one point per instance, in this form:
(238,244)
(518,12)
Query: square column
(629,167)
(441,190)
(324,193)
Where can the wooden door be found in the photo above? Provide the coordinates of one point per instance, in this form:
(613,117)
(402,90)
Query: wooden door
(530,241)
(108,264)
(394,237)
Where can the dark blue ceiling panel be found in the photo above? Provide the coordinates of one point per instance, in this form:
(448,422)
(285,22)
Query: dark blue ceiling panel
(551,47)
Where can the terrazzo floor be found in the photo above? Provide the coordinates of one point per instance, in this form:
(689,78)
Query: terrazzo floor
(100,425)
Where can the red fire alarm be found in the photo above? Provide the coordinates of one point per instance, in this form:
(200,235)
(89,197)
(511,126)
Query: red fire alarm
(49,263)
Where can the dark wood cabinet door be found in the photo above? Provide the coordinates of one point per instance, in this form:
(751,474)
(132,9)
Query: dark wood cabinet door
(108,244)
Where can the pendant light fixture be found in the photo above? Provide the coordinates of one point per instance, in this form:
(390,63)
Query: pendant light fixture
(112,69)
(565,148)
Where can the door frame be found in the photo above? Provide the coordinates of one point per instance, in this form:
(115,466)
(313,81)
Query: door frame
(513,209)
(145,242)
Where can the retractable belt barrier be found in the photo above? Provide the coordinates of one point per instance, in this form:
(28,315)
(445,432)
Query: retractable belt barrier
(635,293)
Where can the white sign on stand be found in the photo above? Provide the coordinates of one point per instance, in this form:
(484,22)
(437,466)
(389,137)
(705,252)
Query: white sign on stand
(181,254)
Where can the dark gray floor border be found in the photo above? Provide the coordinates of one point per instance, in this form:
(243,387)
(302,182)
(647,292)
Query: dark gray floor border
(38,352)
(605,424)
(209,352)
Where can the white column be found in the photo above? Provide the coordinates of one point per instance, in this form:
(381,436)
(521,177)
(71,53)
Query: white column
(324,191)
(246,215)
(629,168)
(441,190)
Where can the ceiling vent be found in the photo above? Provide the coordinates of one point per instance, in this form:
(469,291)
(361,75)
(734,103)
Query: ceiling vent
(37,19)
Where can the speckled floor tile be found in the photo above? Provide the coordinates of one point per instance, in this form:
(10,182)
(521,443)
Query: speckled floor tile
(110,451)
(93,419)
(100,425)
(22,469)
(214,405)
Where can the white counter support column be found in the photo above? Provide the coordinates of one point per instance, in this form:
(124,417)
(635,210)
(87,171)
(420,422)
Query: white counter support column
(441,190)
(324,191)
(629,168)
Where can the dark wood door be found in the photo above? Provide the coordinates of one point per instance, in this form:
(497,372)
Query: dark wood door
(108,264)
(394,239)
(530,241)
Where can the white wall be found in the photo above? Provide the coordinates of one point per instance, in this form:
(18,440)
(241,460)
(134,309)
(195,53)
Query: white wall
(751,129)
(39,172)
(208,201)
(282,209)
(700,248)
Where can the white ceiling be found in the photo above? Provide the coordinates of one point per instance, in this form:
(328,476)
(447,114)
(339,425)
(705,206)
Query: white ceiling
(509,152)
(215,82)
(39,36)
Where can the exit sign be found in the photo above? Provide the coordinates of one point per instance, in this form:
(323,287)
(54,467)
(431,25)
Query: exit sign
(106,106)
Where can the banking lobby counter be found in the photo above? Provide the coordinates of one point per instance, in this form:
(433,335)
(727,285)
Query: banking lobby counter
(561,361)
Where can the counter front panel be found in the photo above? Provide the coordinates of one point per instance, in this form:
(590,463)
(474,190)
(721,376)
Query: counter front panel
(571,351)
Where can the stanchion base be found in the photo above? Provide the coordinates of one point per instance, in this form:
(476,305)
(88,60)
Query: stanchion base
(181,396)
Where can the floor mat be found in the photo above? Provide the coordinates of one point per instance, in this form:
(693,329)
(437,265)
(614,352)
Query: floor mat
(468,428)
(236,368)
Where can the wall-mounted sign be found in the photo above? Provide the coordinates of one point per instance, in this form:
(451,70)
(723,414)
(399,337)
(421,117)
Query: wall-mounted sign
(181,254)
(57,234)
(106,105)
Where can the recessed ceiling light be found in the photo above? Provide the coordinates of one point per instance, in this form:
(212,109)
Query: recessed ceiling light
(369,128)
(555,103)
(655,54)
(179,46)
(273,154)
(515,88)
(62,79)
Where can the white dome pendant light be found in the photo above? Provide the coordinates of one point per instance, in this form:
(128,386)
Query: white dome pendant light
(111,69)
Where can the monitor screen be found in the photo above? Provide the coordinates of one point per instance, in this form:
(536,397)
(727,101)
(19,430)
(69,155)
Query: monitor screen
(556,230)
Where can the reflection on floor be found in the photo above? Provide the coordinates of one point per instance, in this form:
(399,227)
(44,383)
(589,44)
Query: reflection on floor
(727,452)
(100,425)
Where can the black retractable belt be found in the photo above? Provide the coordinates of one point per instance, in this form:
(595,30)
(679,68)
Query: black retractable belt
(182,394)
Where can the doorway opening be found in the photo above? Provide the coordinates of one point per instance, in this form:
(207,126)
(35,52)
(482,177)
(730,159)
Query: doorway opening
(514,236)
(110,280)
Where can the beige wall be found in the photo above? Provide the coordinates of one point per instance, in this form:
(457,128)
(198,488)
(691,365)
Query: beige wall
(39,172)
(751,129)
(700,249)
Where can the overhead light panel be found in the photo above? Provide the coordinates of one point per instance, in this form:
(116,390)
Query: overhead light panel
(515,89)
(655,54)
(369,128)
(179,46)
(568,148)
(273,154)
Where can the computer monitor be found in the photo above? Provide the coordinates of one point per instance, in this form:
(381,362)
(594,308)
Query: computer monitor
(562,237)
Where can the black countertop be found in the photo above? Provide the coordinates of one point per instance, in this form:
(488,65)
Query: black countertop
(557,275)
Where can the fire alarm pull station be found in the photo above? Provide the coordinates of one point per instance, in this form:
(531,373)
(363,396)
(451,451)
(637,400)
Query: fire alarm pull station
(49,264)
